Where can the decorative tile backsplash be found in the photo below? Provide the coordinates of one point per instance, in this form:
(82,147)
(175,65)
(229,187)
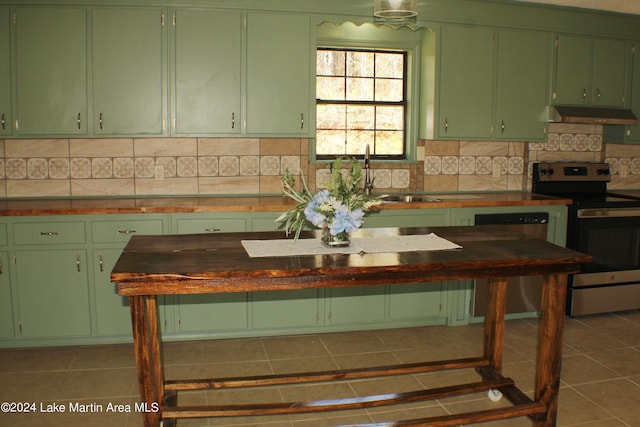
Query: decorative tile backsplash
(211,166)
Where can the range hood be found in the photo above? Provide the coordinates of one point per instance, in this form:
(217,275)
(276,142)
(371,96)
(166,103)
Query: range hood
(592,115)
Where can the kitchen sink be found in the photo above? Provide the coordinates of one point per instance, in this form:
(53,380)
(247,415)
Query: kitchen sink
(408,198)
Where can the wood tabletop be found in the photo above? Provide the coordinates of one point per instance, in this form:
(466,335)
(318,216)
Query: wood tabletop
(212,263)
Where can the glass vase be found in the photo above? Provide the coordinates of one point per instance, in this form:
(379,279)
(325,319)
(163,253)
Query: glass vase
(340,240)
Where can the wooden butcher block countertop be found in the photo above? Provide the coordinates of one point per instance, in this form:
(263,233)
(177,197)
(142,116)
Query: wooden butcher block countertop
(180,204)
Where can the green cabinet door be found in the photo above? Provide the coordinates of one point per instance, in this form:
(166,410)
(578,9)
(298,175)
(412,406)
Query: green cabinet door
(211,312)
(633,133)
(129,69)
(522,85)
(285,309)
(207,73)
(113,316)
(573,70)
(51,71)
(360,304)
(279,71)
(6,305)
(5,75)
(53,293)
(609,73)
(466,88)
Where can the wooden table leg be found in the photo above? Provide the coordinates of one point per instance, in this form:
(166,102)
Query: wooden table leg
(494,322)
(149,364)
(549,358)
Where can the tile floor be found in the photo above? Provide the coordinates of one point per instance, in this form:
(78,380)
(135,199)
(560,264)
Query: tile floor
(600,381)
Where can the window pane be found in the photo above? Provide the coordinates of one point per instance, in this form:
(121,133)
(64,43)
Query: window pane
(330,142)
(361,117)
(357,140)
(390,118)
(359,89)
(360,64)
(389,142)
(330,88)
(390,65)
(389,90)
(330,63)
(331,116)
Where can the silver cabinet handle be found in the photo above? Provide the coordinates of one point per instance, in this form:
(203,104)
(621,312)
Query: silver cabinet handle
(502,127)
(233,120)
(127,231)
(584,94)
(79,121)
(598,95)
(49,233)
(100,121)
(4,123)
(446,124)
(78,263)
(101,263)
(212,230)
(301,120)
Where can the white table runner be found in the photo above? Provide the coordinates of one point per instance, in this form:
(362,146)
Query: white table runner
(287,247)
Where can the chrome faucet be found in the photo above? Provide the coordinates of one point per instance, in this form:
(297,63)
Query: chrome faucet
(368,179)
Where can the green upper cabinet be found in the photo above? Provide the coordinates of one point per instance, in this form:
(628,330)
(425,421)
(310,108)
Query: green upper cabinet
(522,83)
(279,71)
(51,71)
(466,82)
(591,72)
(6,125)
(493,84)
(207,70)
(129,71)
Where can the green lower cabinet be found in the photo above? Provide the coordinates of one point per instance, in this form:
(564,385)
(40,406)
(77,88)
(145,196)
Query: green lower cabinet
(356,305)
(285,309)
(53,293)
(6,310)
(408,218)
(416,300)
(113,316)
(211,312)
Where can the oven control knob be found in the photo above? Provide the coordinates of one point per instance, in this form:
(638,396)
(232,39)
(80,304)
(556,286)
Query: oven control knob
(546,171)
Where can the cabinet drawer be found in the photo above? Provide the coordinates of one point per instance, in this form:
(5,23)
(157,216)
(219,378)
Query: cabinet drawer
(3,234)
(46,233)
(210,225)
(121,231)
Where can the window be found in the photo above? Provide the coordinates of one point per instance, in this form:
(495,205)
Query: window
(361,99)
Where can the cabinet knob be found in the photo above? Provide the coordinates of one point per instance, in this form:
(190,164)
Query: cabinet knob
(598,95)
(446,124)
(502,127)
(584,94)
(4,123)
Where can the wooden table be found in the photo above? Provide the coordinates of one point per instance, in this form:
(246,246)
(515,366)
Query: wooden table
(216,263)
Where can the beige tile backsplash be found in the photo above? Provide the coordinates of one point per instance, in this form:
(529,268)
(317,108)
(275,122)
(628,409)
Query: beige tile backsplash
(211,166)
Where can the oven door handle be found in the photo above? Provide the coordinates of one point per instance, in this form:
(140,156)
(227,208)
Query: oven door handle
(608,213)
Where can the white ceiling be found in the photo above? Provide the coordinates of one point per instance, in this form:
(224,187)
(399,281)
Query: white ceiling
(622,6)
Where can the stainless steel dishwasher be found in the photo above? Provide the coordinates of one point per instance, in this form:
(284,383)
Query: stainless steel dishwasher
(523,293)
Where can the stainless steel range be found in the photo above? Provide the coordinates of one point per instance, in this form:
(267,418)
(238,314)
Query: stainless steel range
(602,224)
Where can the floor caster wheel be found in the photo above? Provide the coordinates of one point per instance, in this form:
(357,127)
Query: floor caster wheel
(494,395)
